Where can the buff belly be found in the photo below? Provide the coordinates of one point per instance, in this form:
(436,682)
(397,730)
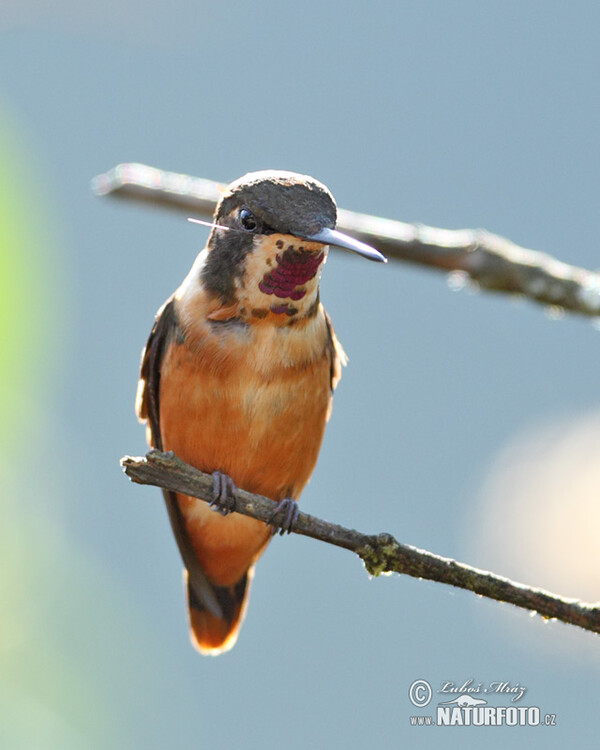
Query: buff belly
(263,429)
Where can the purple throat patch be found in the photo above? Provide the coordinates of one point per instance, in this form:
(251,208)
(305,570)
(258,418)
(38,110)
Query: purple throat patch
(295,268)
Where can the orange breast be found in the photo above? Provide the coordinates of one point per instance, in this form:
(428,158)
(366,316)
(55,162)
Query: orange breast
(259,422)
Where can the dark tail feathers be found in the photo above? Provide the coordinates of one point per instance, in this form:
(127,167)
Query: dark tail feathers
(214,635)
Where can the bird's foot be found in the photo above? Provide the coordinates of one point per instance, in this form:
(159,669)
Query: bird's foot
(223,493)
(283,518)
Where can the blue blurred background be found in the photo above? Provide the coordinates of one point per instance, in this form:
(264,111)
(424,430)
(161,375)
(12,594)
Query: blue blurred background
(465,423)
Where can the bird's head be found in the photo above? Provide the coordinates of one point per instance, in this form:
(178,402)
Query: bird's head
(269,241)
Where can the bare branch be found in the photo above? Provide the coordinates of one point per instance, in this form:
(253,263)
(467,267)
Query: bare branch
(380,553)
(474,255)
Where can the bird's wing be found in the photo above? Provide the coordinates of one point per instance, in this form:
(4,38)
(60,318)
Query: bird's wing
(337,356)
(148,410)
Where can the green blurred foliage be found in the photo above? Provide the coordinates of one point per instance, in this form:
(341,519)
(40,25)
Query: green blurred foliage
(44,698)
(74,643)
(27,322)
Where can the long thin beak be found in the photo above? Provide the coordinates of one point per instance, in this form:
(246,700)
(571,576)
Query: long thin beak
(339,239)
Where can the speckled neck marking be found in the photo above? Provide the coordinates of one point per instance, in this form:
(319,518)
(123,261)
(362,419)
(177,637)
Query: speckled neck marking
(280,280)
(294,269)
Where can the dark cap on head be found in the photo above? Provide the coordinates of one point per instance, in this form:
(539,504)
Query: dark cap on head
(285,202)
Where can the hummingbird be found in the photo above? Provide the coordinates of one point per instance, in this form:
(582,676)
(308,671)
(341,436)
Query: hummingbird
(237,379)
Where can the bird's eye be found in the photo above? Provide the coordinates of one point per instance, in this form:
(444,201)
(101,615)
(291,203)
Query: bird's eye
(248,220)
